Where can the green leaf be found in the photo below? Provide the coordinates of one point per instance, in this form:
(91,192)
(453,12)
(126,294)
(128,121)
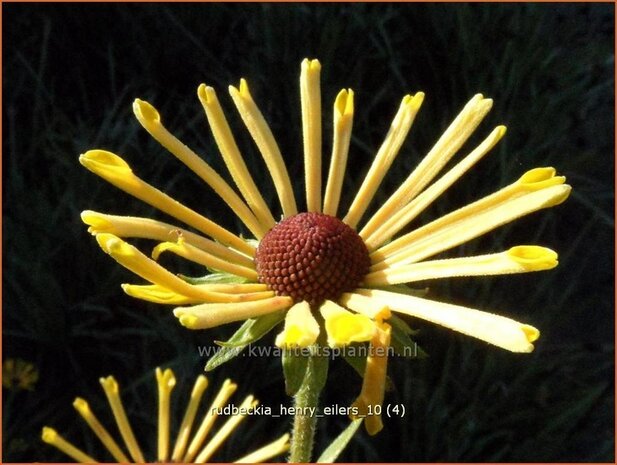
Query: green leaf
(295,363)
(401,341)
(252,330)
(404,346)
(215,278)
(338,445)
(357,362)
(402,325)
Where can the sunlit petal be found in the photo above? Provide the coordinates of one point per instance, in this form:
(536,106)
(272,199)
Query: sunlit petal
(519,259)
(231,155)
(210,315)
(494,329)
(116,171)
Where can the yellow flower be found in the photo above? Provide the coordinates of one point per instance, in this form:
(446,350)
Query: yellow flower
(17,374)
(190,446)
(343,268)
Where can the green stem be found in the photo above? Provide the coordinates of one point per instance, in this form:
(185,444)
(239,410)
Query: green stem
(306,402)
(304,426)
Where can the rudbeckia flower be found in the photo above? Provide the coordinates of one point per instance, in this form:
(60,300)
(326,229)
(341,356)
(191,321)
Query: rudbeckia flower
(17,374)
(191,446)
(326,267)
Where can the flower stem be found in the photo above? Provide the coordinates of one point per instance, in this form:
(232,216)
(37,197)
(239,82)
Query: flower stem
(306,402)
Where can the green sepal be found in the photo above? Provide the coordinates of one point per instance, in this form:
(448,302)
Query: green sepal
(401,341)
(304,363)
(251,331)
(295,363)
(357,363)
(218,277)
(319,364)
(355,360)
(338,445)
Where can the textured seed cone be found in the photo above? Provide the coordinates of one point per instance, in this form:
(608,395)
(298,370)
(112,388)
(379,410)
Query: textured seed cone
(312,257)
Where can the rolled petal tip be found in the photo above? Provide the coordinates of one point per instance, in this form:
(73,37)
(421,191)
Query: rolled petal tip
(205,93)
(565,193)
(531,333)
(112,244)
(533,257)
(311,65)
(188,321)
(414,101)
(541,178)
(500,131)
(97,160)
(344,102)
(81,405)
(96,222)
(49,435)
(110,384)
(145,112)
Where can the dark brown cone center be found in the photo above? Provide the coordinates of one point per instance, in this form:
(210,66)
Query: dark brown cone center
(312,257)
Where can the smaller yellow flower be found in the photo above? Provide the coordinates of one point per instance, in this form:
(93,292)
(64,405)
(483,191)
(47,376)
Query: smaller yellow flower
(189,446)
(17,374)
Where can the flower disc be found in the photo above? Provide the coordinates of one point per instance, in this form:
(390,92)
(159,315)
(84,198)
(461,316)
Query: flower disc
(312,257)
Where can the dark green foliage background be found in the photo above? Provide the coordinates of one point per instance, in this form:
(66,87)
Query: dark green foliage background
(70,74)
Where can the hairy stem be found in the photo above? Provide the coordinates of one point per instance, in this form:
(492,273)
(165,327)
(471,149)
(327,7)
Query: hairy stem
(306,403)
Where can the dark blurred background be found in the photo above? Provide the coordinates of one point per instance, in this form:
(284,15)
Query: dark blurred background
(70,73)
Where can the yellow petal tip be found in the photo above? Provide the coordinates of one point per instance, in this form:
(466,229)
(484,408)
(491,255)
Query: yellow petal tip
(201,91)
(206,94)
(107,241)
(165,377)
(417,100)
(488,102)
(244,87)
(109,383)
(115,246)
(344,103)
(566,190)
(311,64)
(145,112)
(80,404)
(49,435)
(188,321)
(533,257)
(537,175)
(93,159)
(532,334)
(96,222)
